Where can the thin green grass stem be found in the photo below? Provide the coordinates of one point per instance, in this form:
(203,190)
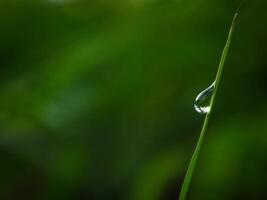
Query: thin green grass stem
(193,161)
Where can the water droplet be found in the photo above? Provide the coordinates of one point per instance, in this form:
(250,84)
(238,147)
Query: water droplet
(202,102)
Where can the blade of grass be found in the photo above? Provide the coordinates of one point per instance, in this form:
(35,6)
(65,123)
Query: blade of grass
(193,161)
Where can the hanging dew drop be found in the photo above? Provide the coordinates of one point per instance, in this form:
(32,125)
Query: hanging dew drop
(203,100)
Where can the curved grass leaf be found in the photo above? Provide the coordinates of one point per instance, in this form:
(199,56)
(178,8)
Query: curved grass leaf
(192,164)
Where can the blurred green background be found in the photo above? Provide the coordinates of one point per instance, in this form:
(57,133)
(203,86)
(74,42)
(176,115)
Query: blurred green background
(96,99)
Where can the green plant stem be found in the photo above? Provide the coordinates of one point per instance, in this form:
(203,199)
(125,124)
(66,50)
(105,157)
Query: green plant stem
(193,161)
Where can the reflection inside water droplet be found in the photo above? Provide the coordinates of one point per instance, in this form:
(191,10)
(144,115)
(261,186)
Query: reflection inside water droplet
(203,100)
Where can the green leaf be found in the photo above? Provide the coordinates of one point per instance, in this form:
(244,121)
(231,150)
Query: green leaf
(192,164)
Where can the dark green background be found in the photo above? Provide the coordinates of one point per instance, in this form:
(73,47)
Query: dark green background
(96,99)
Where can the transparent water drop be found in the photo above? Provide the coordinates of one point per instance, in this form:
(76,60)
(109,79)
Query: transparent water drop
(203,100)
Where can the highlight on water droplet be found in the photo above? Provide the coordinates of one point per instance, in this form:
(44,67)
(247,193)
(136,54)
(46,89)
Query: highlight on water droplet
(203,100)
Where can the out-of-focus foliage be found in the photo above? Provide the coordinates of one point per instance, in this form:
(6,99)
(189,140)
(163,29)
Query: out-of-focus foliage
(96,99)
